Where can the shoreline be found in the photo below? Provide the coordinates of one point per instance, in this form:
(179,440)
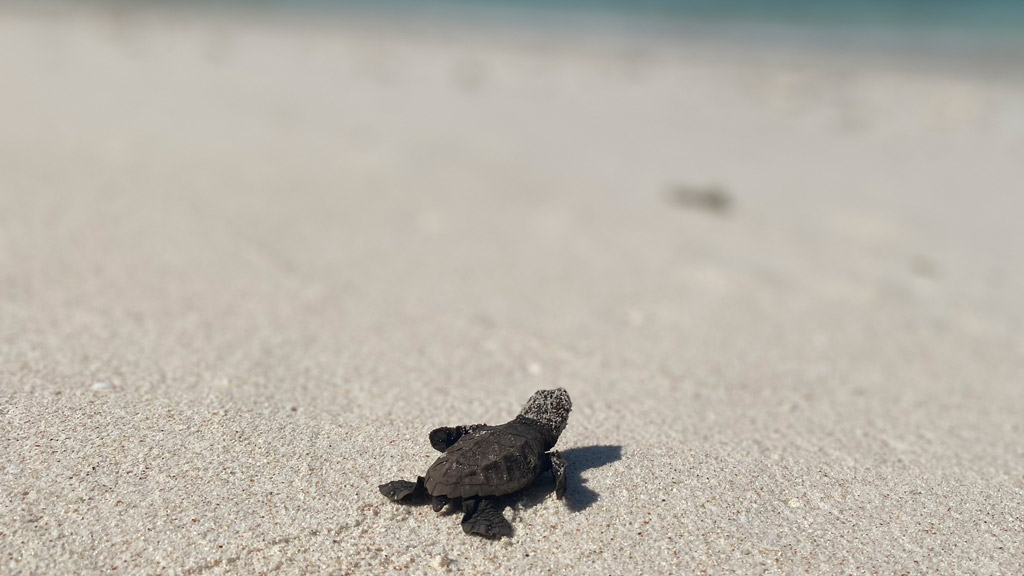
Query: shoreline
(919,50)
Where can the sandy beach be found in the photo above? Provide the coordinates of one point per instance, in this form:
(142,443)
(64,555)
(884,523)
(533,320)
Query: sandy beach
(248,262)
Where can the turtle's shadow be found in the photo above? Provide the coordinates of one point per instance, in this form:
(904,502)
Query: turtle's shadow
(577,496)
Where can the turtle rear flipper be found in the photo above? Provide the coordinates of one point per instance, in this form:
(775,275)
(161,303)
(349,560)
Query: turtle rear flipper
(483,517)
(442,439)
(403,490)
(438,503)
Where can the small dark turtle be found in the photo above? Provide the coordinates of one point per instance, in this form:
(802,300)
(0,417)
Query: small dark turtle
(482,463)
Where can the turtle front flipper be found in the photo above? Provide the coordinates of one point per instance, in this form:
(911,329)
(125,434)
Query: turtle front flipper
(442,439)
(558,467)
(403,490)
(483,517)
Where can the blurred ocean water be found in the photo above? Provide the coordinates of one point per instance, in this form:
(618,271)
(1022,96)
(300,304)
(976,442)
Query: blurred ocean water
(978,15)
(986,29)
(984,35)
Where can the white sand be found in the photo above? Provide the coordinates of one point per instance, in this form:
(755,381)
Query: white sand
(246,265)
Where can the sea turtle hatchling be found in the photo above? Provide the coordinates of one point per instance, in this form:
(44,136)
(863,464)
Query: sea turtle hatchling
(482,463)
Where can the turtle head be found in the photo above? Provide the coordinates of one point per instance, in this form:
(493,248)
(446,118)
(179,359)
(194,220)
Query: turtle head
(550,408)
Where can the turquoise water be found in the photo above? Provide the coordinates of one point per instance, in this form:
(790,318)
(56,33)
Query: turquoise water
(973,30)
(978,15)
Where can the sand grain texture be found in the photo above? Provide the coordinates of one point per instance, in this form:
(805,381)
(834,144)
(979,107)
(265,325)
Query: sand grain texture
(247,264)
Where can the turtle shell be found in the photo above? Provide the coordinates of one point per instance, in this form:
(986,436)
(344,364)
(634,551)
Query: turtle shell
(492,461)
